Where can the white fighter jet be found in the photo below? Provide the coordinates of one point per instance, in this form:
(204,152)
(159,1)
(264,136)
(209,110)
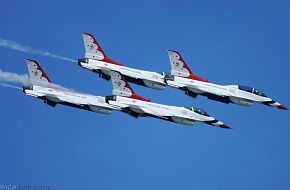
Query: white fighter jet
(182,77)
(42,88)
(125,99)
(97,61)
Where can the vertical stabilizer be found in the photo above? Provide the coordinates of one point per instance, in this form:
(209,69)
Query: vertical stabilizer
(121,87)
(36,73)
(180,68)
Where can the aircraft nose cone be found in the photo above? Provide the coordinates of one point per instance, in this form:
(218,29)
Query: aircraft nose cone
(225,126)
(282,107)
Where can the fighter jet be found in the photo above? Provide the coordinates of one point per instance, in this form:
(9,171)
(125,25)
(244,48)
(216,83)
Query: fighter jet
(129,102)
(124,99)
(42,88)
(182,77)
(97,61)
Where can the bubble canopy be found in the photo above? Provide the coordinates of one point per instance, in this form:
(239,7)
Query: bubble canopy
(252,90)
(199,111)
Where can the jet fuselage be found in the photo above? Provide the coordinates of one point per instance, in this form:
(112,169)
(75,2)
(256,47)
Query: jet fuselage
(175,114)
(53,96)
(141,77)
(183,78)
(224,93)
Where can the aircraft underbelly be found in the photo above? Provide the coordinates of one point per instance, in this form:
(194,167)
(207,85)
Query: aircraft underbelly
(136,109)
(53,99)
(240,101)
(195,90)
(106,72)
(138,79)
(100,109)
(183,121)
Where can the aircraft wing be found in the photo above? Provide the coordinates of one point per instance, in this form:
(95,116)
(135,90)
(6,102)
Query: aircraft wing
(205,89)
(156,112)
(66,99)
(176,84)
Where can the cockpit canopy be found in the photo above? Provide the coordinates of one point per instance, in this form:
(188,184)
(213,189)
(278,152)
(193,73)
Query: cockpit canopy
(199,111)
(252,90)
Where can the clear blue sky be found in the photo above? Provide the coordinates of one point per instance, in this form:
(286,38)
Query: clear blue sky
(227,42)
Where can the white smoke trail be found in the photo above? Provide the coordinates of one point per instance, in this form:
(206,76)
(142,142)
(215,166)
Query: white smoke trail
(10,86)
(13,77)
(23,79)
(25,49)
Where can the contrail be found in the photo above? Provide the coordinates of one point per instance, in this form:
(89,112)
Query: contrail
(25,49)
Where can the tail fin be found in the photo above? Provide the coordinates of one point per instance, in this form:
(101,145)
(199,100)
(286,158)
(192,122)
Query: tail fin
(93,49)
(180,68)
(36,73)
(121,87)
